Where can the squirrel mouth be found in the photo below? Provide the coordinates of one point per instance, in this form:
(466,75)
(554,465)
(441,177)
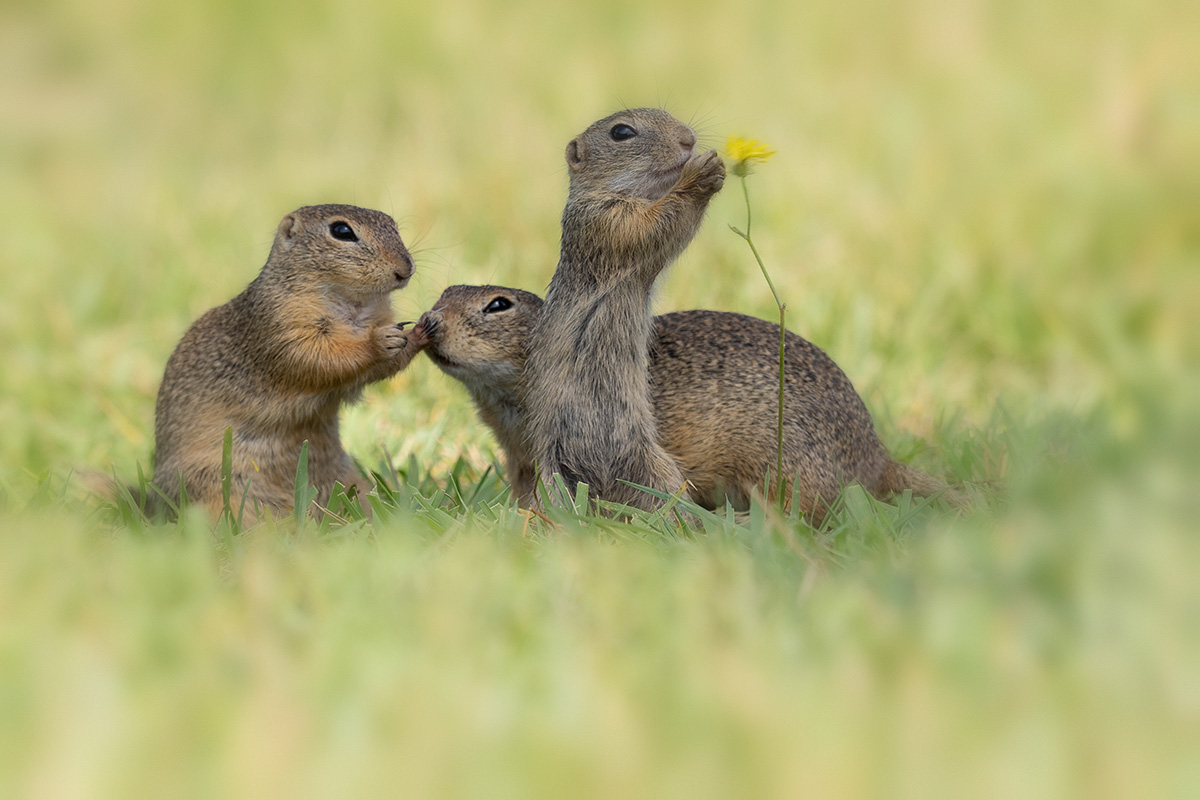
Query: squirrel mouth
(676,169)
(661,181)
(439,359)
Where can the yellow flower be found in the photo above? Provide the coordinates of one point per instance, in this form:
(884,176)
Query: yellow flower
(744,153)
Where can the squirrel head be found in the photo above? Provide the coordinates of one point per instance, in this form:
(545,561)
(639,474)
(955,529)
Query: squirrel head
(356,252)
(479,334)
(639,152)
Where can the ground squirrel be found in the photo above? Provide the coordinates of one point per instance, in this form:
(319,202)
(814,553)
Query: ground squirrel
(714,388)
(276,362)
(638,192)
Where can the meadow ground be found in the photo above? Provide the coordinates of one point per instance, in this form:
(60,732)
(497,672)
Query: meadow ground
(985,212)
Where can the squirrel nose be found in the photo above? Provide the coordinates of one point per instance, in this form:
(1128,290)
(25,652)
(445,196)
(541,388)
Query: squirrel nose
(688,141)
(406,268)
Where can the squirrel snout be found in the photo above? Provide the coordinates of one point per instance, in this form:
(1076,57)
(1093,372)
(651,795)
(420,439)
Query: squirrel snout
(404,270)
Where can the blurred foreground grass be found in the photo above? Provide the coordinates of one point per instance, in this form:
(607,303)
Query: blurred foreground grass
(1050,650)
(986,213)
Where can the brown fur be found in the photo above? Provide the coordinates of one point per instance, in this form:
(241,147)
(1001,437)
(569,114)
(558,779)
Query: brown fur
(714,390)
(632,207)
(277,362)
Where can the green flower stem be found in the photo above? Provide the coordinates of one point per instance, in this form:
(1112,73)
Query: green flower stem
(782,343)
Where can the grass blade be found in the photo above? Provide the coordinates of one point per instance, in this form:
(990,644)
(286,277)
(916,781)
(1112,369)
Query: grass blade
(302,491)
(227,471)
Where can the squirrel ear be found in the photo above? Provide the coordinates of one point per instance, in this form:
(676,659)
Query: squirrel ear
(576,152)
(289,227)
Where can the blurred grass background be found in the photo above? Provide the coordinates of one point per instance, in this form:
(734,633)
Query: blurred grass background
(987,213)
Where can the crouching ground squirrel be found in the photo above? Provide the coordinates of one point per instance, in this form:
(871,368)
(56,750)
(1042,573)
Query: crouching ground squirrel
(638,192)
(713,388)
(276,362)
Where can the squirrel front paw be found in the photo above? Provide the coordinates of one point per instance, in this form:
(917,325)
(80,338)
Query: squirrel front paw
(428,327)
(396,349)
(393,339)
(705,171)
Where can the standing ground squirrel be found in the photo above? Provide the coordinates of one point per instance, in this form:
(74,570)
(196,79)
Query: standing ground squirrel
(276,362)
(638,192)
(714,388)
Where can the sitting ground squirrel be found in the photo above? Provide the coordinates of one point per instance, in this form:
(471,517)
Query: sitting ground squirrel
(638,192)
(714,389)
(276,362)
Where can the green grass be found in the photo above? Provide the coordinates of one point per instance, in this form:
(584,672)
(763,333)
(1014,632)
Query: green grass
(986,213)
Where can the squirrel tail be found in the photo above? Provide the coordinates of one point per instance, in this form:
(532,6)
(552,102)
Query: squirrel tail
(898,476)
(100,484)
(108,489)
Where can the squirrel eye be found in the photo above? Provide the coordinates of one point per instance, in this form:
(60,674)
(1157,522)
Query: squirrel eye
(498,304)
(340,230)
(621,132)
